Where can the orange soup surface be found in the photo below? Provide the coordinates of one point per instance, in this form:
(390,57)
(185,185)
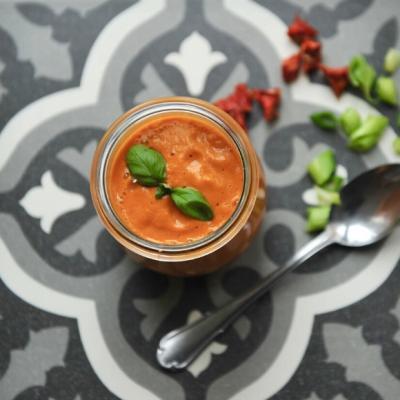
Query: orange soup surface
(198,154)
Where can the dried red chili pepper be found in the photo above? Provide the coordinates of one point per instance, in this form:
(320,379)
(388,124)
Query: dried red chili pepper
(269,100)
(311,54)
(240,118)
(300,30)
(238,104)
(230,106)
(291,67)
(338,78)
(243,97)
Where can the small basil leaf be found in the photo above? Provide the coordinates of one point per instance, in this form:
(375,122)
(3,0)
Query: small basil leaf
(148,166)
(192,203)
(162,190)
(325,120)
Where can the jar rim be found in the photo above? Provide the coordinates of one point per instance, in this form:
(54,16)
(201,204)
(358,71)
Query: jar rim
(117,133)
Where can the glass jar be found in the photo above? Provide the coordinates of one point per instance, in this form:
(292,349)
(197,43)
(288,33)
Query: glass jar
(211,252)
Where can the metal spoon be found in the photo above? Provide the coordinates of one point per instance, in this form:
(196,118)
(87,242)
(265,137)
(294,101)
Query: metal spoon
(369,211)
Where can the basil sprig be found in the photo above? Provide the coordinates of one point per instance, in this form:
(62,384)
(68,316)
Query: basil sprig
(325,119)
(148,167)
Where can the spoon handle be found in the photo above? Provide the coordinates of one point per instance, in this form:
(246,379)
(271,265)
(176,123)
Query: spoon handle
(180,347)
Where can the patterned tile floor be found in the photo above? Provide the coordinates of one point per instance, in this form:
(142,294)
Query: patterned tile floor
(78,321)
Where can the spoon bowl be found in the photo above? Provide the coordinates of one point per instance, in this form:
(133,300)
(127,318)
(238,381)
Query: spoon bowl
(370,207)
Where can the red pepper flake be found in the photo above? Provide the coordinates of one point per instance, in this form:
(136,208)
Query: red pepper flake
(231,107)
(299,30)
(238,104)
(338,78)
(311,54)
(269,100)
(291,67)
(309,57)
(243,97)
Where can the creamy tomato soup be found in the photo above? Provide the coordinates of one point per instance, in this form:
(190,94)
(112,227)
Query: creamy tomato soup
(199,154)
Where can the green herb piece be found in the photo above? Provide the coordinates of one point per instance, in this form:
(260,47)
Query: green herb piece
(324,119)
(398,120)
(322,167)
(317,218)
(192,203)
(362,75)
(396,146)
(350,120)
(392,61)
(162,190)
(146,165)
(326,197)
(335,184)
(368,134)
(386,90)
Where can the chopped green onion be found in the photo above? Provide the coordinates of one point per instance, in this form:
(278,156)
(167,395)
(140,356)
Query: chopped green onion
(392,61)
(326,197)
(350,120)
(322,167)
(335,184)
(396,146)
(368,134)
(362,75)
(317,218)
(386,90)
(324,119)
(398,120)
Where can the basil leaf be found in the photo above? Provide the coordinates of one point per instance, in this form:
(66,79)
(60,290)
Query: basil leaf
(148,166)
(192,203)
(362,75)
(325,120)
(162,190)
